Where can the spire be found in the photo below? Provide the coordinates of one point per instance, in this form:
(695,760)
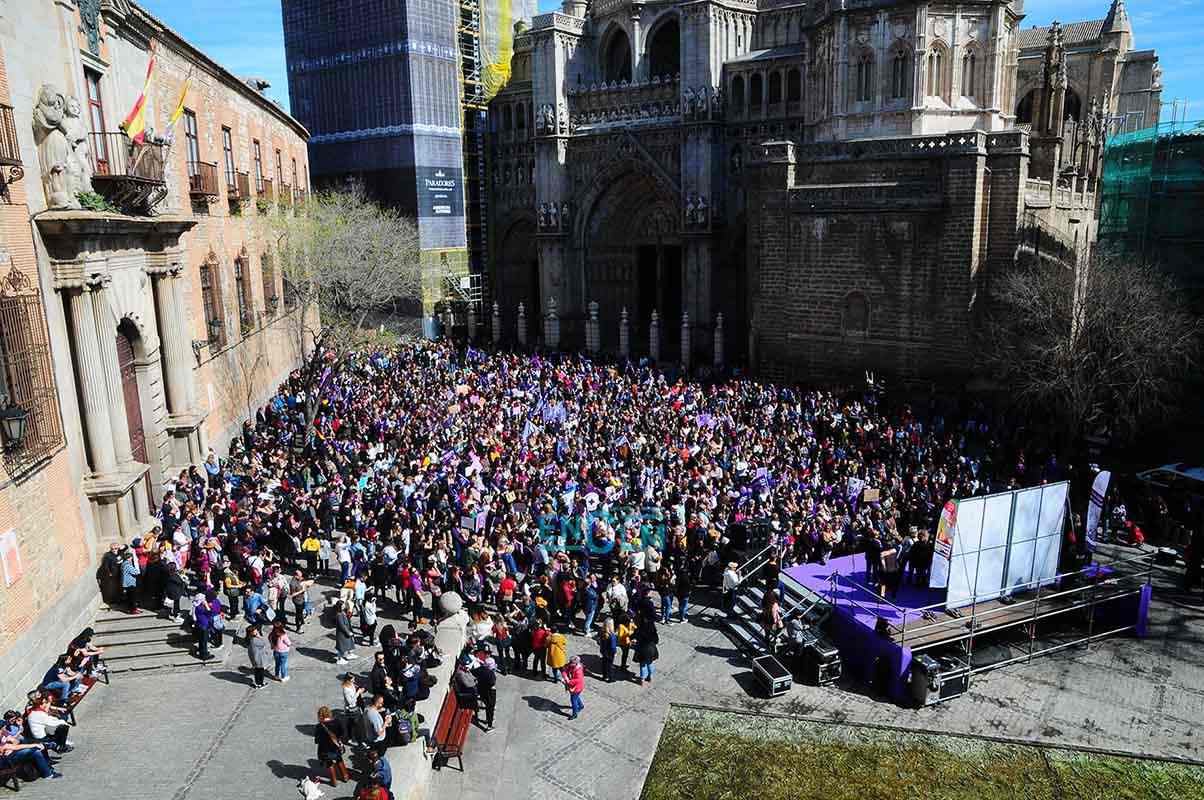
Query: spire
(1117,20)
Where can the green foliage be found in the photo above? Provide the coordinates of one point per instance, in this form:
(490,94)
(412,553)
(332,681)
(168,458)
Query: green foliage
(263,205)
(91,201)
(717,756)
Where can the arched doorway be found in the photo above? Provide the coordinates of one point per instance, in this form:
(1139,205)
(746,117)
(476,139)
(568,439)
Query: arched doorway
(518,277)
(664,50)
(633,260)
(127,335)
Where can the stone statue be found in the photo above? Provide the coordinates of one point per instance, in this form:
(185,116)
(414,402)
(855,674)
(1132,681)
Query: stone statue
(562,118)
(700,211)
(80,166)
(691,209)
(553,216)
(54,149)
(690,99)
(564,214)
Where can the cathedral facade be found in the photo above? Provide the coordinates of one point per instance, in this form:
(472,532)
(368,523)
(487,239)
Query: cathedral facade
(807,189)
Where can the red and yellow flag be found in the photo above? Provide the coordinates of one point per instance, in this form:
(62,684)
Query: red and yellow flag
(134,124)
(179,109)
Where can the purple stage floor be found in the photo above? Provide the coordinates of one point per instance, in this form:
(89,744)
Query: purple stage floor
(851,596)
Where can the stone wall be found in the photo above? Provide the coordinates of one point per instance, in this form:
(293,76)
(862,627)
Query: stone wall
(876,257)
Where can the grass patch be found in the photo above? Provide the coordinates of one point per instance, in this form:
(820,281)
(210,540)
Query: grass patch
(710,755)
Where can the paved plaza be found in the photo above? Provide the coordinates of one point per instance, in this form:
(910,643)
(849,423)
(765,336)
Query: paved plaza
(206,734)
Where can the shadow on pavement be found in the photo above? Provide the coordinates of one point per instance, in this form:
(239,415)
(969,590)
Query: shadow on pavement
(538,703)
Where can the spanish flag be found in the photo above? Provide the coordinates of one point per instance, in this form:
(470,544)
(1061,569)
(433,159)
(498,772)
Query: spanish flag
(135,122)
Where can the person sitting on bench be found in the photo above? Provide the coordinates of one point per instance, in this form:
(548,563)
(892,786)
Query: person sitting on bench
(47,728)
(62,679)
(13,751)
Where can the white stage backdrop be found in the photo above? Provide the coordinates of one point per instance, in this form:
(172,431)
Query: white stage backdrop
(1003,543)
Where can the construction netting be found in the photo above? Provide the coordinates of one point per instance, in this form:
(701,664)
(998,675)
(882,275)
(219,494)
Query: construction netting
(497,44)
(1152,197)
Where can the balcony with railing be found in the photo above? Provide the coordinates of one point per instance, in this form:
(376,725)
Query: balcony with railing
(202,180)
(238,186)
(654,99)
(285,197)
(130,175)
(10,151)
(10,148)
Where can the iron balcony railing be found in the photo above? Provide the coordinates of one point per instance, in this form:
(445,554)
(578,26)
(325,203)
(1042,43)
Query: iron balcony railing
(115,155)
(10,148)
(265,188)
(238,185)
(286,195)
(202,179)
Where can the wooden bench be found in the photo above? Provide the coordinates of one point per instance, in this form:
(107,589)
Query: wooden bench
(10,776)
(77,698)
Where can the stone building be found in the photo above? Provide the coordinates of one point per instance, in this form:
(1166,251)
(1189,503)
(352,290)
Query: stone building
(838,179)
(141,315)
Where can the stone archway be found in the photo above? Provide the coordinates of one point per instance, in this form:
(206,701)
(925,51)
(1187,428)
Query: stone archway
(517,275)
(633,259)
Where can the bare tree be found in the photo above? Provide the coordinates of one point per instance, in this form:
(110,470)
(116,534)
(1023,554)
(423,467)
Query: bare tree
(346,258)
(1105,347)
(243,373)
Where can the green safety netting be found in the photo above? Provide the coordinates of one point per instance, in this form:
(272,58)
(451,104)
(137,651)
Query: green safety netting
(1152,195)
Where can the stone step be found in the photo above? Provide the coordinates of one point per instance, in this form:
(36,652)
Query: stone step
(134,624)
(134,650)
(137,638)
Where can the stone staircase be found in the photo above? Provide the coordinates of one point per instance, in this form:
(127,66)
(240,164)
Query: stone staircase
(138,642)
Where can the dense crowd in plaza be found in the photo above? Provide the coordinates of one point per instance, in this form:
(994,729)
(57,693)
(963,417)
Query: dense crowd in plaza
(554,496)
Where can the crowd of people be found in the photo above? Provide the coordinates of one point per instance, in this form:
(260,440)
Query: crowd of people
(553,495)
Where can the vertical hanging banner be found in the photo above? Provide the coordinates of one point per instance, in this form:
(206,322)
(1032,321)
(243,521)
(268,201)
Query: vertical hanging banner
(1099,489)
(942,553)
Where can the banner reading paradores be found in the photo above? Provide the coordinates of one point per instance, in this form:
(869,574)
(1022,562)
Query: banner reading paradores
(942,553)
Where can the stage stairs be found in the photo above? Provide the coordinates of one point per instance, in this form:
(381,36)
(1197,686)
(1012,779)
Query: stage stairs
(744,628)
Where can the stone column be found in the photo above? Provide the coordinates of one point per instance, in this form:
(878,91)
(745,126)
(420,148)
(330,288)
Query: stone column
(551,336)
(106,337)
(638,67)
(592,336)
(497,323)
(91,380)
(719,340)
(685,340)
(183,339)
(472,322)
(654,337)
(522,325)
(624,335)
(169,339)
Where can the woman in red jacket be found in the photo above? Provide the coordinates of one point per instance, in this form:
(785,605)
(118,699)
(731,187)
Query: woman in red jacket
(573,675)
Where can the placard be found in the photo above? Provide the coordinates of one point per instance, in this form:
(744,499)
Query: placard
(10,557)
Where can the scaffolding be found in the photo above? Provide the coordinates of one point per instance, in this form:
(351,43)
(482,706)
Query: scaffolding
(1152,198)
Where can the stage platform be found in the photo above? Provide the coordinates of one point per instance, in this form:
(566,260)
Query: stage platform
(877,636)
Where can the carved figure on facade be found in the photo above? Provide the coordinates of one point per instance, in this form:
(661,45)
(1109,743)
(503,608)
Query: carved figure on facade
(77,136)
(60,175)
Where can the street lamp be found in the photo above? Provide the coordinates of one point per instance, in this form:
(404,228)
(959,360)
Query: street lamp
(13,422)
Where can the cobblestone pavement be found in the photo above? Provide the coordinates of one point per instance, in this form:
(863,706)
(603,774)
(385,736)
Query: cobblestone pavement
(205,734)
